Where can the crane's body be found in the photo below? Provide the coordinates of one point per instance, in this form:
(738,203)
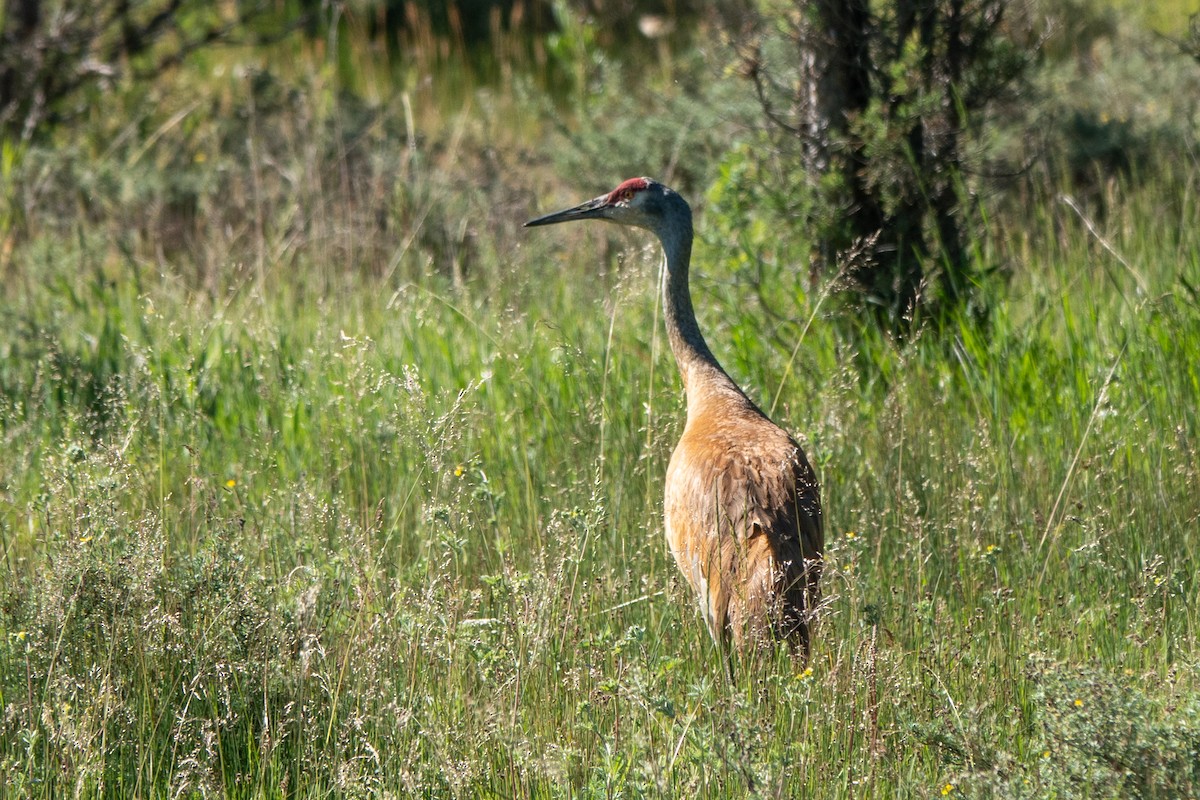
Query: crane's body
(742,504)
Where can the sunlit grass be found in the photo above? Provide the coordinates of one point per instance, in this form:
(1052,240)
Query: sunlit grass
(1170,17)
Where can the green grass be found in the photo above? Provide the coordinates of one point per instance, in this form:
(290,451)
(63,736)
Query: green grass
(309,488)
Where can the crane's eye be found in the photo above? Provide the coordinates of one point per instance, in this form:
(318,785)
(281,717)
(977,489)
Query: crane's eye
(625,196)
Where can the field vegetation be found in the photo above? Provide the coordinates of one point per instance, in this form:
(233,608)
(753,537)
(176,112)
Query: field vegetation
(319,476)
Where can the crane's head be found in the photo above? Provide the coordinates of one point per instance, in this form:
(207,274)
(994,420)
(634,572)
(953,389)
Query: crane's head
(640,202)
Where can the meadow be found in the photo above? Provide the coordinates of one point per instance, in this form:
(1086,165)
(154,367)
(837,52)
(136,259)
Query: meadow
(320,477)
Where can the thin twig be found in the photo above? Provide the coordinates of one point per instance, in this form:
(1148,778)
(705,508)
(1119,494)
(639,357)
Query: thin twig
(1062,490)
(628,603)
(825,292)
(1105,243)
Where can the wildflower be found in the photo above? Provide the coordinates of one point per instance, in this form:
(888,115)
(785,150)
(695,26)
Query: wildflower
(85,539)
(21,635)
(947,789)
(459,470)
(805,675)
(991,548)
(851,535)
(229,484)
(1078,703)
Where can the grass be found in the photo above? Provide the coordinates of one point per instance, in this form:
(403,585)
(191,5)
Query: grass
(308,487)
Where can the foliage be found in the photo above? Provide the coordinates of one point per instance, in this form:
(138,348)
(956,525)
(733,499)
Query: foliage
(674,129)
(1099,735)
(873,106)
(56,54)
(1112,99)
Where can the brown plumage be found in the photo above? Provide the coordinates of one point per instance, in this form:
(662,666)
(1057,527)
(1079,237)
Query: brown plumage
(742,504)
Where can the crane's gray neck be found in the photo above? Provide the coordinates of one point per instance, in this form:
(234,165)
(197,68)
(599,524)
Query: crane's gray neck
(697,365)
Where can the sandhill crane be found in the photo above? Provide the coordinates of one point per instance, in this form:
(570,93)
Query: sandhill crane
(742,505)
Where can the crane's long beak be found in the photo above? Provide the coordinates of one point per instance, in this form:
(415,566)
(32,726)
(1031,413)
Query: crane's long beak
(592,209)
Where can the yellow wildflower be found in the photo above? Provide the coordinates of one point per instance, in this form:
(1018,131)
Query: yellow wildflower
(229,484)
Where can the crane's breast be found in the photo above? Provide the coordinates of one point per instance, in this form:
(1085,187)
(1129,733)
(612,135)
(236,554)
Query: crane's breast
(734,493)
